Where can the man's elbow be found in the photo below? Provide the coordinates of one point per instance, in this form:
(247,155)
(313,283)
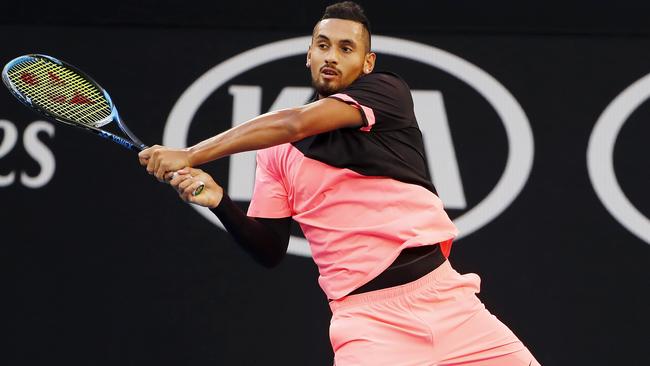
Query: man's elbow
(271,255)
(270,261)
(296,125)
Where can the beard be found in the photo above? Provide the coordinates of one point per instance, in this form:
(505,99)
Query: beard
(324,89)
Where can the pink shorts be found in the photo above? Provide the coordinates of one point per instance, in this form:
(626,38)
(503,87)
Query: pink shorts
(435,320)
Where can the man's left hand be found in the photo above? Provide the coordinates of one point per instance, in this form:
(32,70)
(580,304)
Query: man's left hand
(161,160)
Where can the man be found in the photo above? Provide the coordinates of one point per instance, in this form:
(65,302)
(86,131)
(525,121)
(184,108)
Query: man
(350,168)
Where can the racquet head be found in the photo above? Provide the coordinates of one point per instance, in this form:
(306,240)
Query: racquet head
(58,90)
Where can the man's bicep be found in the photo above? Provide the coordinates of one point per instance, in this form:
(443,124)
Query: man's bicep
(329,114)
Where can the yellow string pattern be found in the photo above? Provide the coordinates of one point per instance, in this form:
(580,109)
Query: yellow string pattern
(60,91)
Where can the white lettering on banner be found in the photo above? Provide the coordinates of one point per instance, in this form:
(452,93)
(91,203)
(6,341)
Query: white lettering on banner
(518,132)
(443,165)
(34,147)
(10,136)
(247,104)
(41,154)
(600,158)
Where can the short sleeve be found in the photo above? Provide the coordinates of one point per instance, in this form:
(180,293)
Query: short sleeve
(269,195)
(384,100)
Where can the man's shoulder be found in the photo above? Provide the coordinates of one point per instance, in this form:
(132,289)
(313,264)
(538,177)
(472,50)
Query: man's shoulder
(384,77)
(272,158)
(382,82)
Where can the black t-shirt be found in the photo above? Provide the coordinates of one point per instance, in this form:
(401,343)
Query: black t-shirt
(389,145)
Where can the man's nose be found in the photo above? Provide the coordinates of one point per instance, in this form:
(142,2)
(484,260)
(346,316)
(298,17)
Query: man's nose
(331,57)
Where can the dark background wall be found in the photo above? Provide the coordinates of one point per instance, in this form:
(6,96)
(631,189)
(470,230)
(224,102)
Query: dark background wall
(503,16)
(105,266)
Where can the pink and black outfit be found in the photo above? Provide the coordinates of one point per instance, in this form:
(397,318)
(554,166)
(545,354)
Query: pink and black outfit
(362,196)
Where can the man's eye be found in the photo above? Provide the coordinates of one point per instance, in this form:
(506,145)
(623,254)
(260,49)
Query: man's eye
(347,49)
(322,46)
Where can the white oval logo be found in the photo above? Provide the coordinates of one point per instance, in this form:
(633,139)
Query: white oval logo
(518,132)
(600,158)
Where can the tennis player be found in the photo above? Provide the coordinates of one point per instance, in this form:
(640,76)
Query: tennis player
(350,168)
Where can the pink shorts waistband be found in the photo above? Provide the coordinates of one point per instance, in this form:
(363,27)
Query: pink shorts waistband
(388,293)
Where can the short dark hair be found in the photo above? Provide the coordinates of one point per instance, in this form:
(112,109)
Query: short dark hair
(348,10)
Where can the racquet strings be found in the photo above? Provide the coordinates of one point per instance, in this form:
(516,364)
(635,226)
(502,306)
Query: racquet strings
(60,92)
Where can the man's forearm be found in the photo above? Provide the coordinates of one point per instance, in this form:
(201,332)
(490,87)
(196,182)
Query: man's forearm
(275,128)
(266,240)
(264,131)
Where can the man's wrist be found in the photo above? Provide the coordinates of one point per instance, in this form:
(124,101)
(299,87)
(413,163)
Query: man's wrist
(222,205)
(218,201)
(191,156)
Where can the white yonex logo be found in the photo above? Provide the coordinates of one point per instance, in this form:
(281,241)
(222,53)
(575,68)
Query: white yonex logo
(429,109)
(600,158)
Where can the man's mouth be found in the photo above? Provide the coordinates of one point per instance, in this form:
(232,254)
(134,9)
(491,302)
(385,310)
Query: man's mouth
(328,73)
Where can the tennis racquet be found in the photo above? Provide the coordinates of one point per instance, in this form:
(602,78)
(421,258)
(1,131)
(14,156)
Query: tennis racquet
(62,93)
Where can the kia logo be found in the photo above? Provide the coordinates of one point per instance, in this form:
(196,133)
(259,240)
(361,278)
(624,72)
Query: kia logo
(428,108)
(600,158)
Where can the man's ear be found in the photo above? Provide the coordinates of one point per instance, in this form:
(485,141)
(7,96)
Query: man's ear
(308,62)
(369,62)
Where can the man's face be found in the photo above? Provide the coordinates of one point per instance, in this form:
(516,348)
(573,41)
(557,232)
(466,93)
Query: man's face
(337,55)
